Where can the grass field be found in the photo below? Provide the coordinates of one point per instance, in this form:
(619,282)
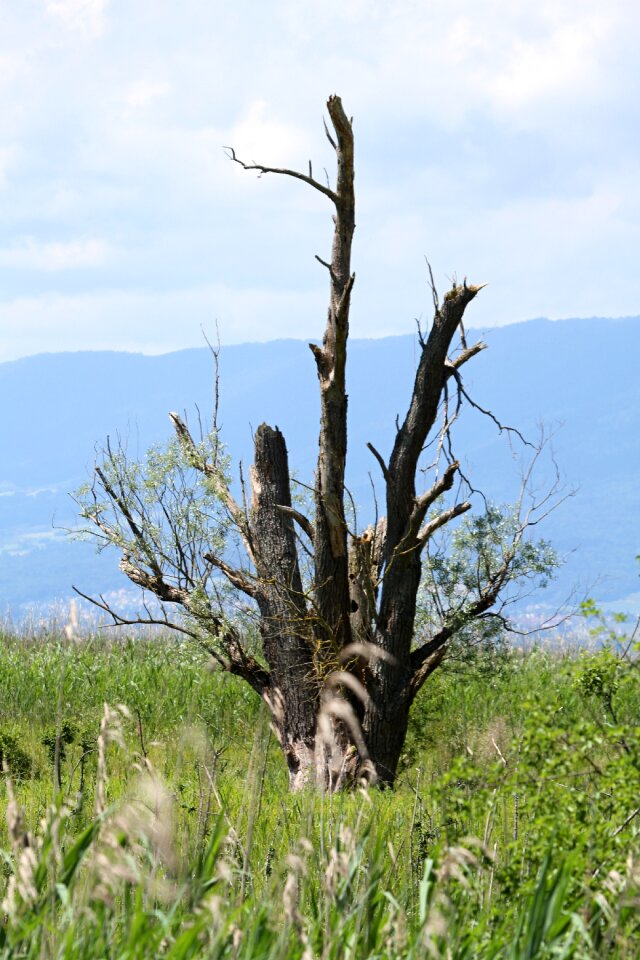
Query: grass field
(163,827)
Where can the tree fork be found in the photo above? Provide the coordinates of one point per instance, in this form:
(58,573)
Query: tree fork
(339,665)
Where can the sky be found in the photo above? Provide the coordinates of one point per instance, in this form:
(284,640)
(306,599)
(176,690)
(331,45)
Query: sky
(497,138)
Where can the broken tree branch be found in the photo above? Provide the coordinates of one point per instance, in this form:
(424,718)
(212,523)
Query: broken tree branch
(283,171)
(430,528)
(235,577)
(303,522)
(380,459)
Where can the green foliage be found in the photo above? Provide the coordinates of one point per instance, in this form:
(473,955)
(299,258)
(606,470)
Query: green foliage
(13,757)
(178,502)
(56,741)
(479,546)
(201,852)
(459,567)
(165,513)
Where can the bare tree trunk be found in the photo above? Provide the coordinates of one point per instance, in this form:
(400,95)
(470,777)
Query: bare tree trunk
(331,554)
(297,677)
(366,595)
(293,691)
(387,718)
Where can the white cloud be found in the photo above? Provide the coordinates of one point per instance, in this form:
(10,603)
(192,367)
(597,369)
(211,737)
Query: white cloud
(145,92)
(149,322)
(8,157)
(53,257)
(491,135)
(260,136)
(83,18)
(565,62)
(449,60)
(13,67)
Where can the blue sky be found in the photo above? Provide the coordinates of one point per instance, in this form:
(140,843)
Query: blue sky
(499,138)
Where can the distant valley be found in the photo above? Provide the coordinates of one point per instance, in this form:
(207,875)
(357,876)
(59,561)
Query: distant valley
(579,377)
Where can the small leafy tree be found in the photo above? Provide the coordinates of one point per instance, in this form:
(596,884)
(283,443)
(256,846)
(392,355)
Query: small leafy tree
(317,616)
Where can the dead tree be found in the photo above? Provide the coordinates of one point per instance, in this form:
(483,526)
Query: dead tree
(338,661)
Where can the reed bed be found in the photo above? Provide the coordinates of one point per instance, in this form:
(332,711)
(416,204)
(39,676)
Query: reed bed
(144,813)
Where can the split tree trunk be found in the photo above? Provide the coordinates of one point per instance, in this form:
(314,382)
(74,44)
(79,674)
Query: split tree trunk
(341,674)
(337,669)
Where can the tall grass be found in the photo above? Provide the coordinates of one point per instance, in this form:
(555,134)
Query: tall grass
(163,827)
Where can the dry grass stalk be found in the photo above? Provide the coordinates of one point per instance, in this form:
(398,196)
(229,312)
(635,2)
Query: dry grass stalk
(110,732)
(27,851)
(297,868)
(137,844)
(339,859)
(457,864)
(21,887)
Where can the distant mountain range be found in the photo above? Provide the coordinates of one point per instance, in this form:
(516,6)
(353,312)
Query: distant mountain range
(579,377)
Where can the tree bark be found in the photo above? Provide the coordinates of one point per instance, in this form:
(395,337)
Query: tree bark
(387,716)
(287,641)
(331,554)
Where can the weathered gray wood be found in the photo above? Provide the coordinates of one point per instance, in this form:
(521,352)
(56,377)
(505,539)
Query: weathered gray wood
(287,640)
(386,719)
(331,553)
